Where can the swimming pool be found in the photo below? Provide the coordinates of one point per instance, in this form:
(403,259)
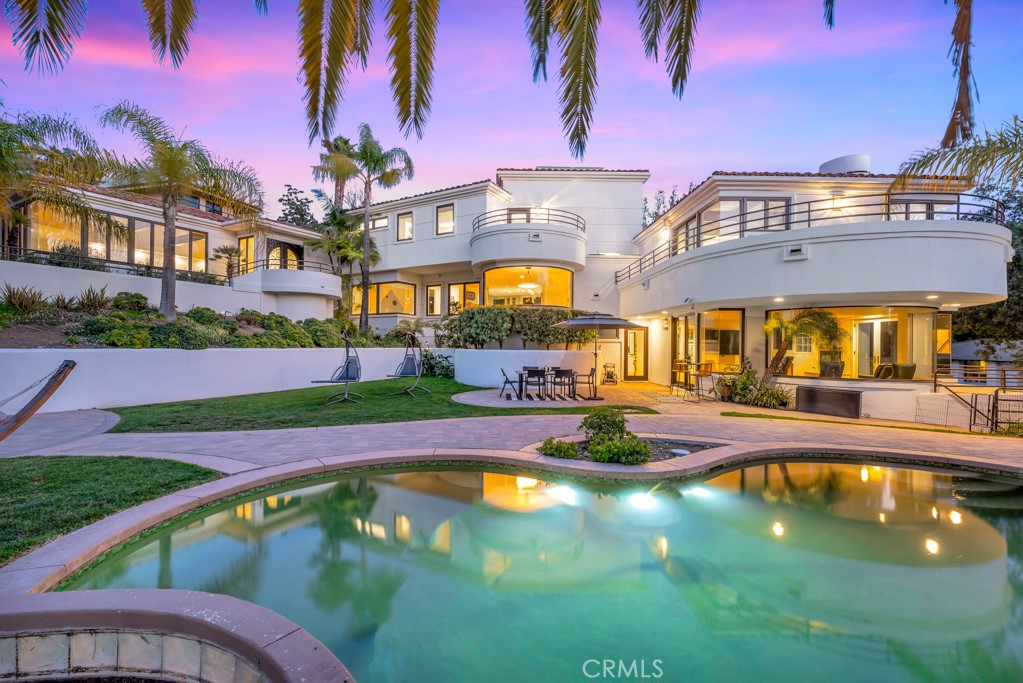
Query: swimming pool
(776,572)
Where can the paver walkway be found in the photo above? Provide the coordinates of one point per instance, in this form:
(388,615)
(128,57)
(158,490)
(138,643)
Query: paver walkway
(240,451)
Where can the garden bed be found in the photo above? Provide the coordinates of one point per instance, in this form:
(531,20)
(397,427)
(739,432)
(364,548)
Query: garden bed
(660,449)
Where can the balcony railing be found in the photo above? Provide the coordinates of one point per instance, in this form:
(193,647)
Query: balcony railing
(82,261)
(829,211)
(278,264)
(529,215)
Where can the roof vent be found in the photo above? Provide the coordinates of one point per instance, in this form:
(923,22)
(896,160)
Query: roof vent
(850,163)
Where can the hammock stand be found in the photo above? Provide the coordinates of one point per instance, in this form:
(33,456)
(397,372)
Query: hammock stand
(53,380)
(349,372)
(411,366)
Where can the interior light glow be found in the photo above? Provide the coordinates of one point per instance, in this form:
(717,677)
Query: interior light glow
(642,501)
(525,483)
(778,529)
(933,296)
(864,474)
(955,517)
(563,493)
(932,546)
(882,518)
(779,298)
(934,513)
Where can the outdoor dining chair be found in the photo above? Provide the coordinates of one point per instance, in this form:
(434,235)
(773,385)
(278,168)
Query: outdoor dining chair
(563,379)
(587,378)
(536,377)
(508,384)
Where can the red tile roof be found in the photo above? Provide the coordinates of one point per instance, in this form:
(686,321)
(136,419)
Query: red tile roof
(805,174)
(150,200)
(423,194)
(593,169)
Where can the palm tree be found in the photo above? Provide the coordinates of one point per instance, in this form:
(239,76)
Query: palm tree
(45,159)
(992,159)
(820,325)
(370,164)
(231,255)
(335,38)
(341,240)
(173,168)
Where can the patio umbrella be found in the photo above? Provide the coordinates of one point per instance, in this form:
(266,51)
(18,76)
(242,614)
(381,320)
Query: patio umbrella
(596,321)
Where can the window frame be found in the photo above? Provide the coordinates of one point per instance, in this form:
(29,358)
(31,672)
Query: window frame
(440,300)
(411,225)
(461,286)
(374,297)
(437,211)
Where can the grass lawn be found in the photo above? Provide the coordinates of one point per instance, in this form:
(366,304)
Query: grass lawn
(45,497)
(306,408)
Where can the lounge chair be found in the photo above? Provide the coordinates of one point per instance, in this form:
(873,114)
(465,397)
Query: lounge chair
(349,372)
(411,366)
(904,371)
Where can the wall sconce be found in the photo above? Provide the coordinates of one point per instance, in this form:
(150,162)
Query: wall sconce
(665,323)
(836,203)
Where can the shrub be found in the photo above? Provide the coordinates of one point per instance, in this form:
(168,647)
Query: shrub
(99,325)
(228,325)
(749,389)
(604,424)
(62,302)
(553,448)
(448,333)
(627,451)
(437,365)
(238,341)
(323,333)
(178,334)
(270,340)
(130,301)
(1012,428)
(292,332)
(398,334)
(94,300)
(22,300)
(248,316)
(204,315)
(68,255)
(485,324)
(132,335)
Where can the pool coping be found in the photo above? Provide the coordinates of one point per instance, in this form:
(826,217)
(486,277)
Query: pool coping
(46,567)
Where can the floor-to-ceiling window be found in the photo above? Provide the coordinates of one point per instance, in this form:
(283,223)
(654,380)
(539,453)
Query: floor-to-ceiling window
(434,305)
(51,230)
(247,247)
(879,342)
(528,286)
(720,339)
(386,298)
(463,295)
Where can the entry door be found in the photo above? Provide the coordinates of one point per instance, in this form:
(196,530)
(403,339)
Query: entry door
(889,346)
(865,349)
(635,354)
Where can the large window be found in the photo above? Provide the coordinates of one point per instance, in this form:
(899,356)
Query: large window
(386,298)
(247,247)
(283,256)
(720,221)
(882,342)
(446,219)
(375,223)
(404,227)
(51,230)
(528,286)
(434,305)
(463,295)
(189,248)
(720,339)
(106,244)
(727,219)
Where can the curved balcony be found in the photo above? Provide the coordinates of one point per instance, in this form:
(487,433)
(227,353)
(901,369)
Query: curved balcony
(836,210)
(529,235)
(298,277)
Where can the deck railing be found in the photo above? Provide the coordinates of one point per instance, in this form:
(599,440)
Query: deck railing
(83,261)
(819,212)
(278,264)
(528,214)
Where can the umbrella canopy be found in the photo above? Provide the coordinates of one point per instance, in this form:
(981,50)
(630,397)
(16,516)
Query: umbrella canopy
(596,321)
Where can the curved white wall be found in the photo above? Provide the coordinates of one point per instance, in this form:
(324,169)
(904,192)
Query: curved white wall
(293,282)
(536,243)
(881,263)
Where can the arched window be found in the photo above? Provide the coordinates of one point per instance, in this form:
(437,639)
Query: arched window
(283,257)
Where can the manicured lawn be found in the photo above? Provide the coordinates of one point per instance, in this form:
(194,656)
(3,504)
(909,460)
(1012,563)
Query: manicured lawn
(45,497)
(306,408)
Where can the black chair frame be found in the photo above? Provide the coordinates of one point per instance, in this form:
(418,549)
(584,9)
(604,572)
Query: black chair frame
(348,373)
(411,365)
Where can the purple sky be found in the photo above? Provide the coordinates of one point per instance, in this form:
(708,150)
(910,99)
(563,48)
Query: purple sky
(770,89)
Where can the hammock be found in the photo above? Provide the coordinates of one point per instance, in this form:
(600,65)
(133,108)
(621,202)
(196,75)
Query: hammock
(9,423)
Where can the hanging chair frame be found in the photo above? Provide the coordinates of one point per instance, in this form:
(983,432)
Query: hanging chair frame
(348,373)
(411,365)
(9,423)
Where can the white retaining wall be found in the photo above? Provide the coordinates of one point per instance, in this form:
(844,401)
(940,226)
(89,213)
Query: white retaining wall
(107,378)
(482,367)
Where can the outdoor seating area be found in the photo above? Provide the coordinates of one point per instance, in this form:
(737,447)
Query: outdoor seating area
(692,381)
(549,383)
(350,371)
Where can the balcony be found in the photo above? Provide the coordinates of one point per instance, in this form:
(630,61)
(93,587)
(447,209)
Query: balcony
(291,277)
(529,235)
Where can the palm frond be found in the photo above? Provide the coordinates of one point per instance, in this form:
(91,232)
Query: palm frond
(340,39)
(993,159)
(829,13)
(234,184)
(147,127)
(651,18)
(45,31)
(412,31)
(680,36)
(538,32)
(59,131)
(576,23)
(261,6)
(363,39)
(170,24)
(960,125)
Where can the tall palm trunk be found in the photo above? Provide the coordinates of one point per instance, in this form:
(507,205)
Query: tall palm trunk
(364,313)
(776,360)
(168,280)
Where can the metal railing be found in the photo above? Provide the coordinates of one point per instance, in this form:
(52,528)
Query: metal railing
(810,214)
(529,215)
(1002,377)
(277,264)
(83,261)
(995,410)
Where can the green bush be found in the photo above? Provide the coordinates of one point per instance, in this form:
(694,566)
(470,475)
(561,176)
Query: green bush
(270,340)
(437,365)
(100,325)
(397,335)
(62,302)
(750,389)
(448,333)
(238,341)
(205,316)
(132,335)
(130,301)
(228,325)
(553,448)
(179,334)
(485,324)
(288,330)
(604,424)
(22,300)
(323,333)
(248,316)
(7,315)
(627,451)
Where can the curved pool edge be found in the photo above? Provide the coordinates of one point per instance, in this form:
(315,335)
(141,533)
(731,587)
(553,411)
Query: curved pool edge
(46,567)
(159,632)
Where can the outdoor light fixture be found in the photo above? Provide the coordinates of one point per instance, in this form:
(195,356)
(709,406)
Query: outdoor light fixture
(932,546)
(642,501)
(835,197)
(955,517)
(779,298)
(933,296)
(778,529)
(882,518)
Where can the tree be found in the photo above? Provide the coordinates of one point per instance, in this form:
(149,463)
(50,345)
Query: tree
(335,38)
(820,325)
(175,167)
(370,164)
(341,240)
(296,208)
(231,255)
(662,202)
(45,159)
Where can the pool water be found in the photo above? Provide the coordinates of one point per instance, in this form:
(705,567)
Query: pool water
(778,572)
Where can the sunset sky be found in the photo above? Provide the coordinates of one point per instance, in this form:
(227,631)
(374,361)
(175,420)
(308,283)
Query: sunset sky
(771,89)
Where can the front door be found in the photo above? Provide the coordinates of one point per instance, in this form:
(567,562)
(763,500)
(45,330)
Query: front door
(865,349)
(635,354)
